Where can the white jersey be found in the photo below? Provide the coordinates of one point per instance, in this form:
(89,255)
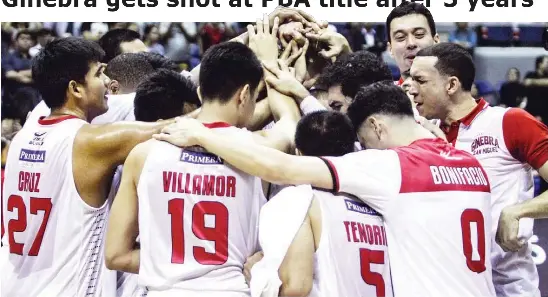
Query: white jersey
(352,256)
(54,238)
(198,221)
(435,202)
(509,143)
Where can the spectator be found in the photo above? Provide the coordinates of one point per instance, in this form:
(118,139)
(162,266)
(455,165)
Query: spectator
(152,39)
(16,67)
(536,83)
(512,91)
(464,37)
(214,33)
(179,38)
(43,37)
(93,31)
(119,41)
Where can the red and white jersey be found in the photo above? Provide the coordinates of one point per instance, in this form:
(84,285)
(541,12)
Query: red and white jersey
(352,256)
(509,143)
(54,239)
(198,221)
(436,206)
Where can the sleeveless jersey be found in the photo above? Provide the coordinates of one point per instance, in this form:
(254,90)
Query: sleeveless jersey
(352,257)
(197,221)
(54,239)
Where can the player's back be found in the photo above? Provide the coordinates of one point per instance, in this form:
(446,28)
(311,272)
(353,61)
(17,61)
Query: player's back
(351,258)
(438,226)
(54,238)
(197,222)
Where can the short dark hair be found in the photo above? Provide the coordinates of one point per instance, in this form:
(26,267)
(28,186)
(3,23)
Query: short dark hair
(408,8)
(110,42)
(325,133)
(157,61)
(379,98)
(128,69)
(23,32)
(163,95)
(44,32)
(453,60)
(61,61)
(148,29)
(353,71)
(227,67)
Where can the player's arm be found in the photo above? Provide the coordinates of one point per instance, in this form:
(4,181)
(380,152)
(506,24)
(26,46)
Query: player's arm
(372,175)
(111,143)
(297,269)
(120,250)
(287,115)
(527,140)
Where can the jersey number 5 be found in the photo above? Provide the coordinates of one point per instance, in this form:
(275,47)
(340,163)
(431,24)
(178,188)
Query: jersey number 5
(16,202)
(217,234)
(468,217)
(368,257)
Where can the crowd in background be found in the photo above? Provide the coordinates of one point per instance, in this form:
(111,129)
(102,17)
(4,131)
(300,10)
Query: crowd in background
(184,43)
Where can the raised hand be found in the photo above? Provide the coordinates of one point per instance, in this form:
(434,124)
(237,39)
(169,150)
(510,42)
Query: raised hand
(264,42)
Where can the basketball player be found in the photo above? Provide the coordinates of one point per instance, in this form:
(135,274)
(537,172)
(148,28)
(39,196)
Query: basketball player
(508,142)
(337,230)
(410,28)
(429,193)
(198,223)
(125,72)
(119,41)
(344,78)
(164,95)
(58,176)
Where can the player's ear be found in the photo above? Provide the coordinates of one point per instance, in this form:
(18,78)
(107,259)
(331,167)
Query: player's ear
(389,46)
(453,85)
(436,38)
(114,87)
(375,126)
(245,95)
(199,91)
(75,89)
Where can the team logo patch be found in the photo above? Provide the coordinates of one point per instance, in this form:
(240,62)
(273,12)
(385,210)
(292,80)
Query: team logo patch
(200,158)
(484,144)
(32,156)
(356,206)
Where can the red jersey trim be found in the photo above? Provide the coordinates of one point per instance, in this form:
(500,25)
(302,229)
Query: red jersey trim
(452,131)
(217,125)
(467,120)
(334,174)
(45,122)
(400,82)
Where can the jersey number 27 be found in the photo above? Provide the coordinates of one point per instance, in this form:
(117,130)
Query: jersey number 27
(16,203)
(217,234)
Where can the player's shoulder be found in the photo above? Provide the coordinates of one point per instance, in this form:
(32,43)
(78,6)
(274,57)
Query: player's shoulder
(513,114)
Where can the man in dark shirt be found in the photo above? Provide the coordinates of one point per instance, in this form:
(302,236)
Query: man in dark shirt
(537,89)
(16,69)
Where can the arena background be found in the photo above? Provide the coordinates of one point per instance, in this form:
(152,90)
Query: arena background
(496,47)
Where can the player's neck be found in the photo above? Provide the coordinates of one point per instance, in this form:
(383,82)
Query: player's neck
(214,112)
(461,107)
(409,132)
(65,111)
